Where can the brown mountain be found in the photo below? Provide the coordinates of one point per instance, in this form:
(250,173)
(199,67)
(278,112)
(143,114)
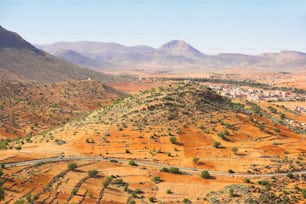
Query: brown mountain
(19,60)
(173,57)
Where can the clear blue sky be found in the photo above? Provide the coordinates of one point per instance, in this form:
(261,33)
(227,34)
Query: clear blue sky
(212,26)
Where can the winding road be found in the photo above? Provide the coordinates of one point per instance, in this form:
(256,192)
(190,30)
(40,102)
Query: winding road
(144,163)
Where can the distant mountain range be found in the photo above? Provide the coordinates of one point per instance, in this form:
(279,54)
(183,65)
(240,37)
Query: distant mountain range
(175,57)
(21,61)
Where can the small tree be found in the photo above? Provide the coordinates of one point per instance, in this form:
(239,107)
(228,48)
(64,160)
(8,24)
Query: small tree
(205,174)
(92,173)
(1,194)
(195,160)
(173,140)
(107,181)
(290,175)
(156,179)
(247,180)
(126,187)
(169,191)
(132,202)
(217,144)
(132,163)
(234,150)
(231,192)
(230,171)
(74,191)
(304,193)
(72,166)
(186,201)
(152,199)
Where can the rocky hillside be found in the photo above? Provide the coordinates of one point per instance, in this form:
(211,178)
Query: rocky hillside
(28,108)
(19,60)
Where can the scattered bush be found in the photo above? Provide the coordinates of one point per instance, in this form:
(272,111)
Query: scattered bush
(107,181)
(152,199)
(195,160)
(230,171)
(217,144)
(156,179)
(173,140)
(247,180)
(290,175)
(92,173)
(205,174)
(172,170)
(72,166)
(186,201)
(118,181)
(132,163)
(74,191)
(304,193)
(1,194)
(234,150)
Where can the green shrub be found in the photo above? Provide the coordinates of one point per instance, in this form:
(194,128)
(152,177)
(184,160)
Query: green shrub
(92,173)
(217,144)
(107,181)
(205,174)
(132,163)
(290,175)
(74,191)
(156,179)
(173,140)
(304,193)
(72,166)
(152,199)
(195,160)
(2,194)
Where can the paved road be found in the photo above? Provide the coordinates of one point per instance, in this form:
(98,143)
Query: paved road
(145,163)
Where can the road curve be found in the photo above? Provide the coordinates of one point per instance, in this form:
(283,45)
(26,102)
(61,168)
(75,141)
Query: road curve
(145,163)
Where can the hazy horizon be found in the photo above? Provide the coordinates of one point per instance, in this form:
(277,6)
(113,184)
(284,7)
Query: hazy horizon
(212,27)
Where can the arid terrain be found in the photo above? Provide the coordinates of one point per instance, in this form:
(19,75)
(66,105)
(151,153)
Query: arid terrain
(29,108)
(176,142)
(173,125)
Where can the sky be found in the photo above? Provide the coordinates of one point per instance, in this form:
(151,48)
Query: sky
(212,26)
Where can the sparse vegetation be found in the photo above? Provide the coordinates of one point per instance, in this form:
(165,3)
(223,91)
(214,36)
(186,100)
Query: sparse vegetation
(92,173)
(234,150)
(107,181)
(173,140)
(156,179)
(205,174)
(132,163)
(195,160)
(72,166)
(217,144)
(172,170)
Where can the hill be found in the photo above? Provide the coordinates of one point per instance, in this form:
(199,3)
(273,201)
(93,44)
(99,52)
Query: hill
(29,108)
(196,116)
(154,145)
(180,48)
(19,60)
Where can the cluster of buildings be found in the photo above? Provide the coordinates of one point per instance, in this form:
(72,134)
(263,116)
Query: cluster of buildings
(257,94)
